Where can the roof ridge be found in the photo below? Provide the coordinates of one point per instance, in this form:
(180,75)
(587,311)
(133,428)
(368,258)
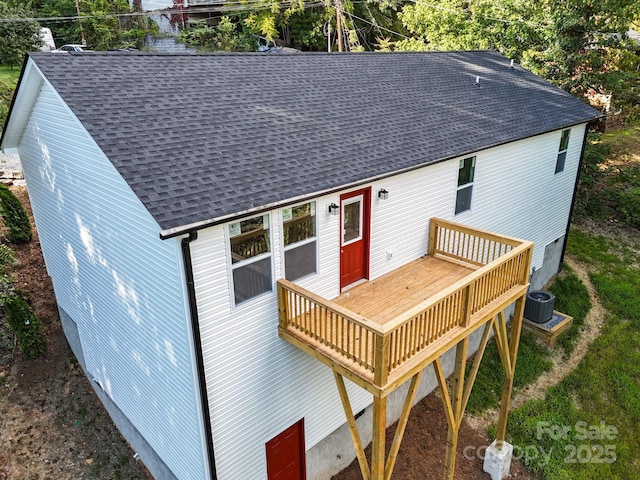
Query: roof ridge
(262,54)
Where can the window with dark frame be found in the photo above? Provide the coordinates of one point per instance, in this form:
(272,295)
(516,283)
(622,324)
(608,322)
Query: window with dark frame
(562,151)
(466,171)
(250,245)
(300,245)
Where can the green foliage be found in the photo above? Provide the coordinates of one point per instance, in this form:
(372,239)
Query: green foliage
(7,257)
(225,37)
(588,201)
(629,201)
(17,37)
(609,185)
(531,363)
(573,299)
(14,216)
(305,30)
(63,32)
(575,43)
(6,94)
(26,326)
(101,28)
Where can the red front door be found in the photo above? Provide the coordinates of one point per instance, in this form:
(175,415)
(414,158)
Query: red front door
(285,454)
(355,213)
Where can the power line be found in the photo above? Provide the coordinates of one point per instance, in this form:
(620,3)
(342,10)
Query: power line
(378,26)
(238,6)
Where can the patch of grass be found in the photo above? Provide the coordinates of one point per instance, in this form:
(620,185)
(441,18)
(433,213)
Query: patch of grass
(573,299)
(588,426)
(619,290)
(531,363)
(589,249)
(624,141)
(9,75)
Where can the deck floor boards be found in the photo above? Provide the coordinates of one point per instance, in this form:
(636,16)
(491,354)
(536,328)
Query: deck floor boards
(390,295)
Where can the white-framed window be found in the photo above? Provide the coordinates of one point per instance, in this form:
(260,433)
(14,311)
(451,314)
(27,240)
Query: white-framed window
(466,171)
(250,247)
(300,240)
(562,151)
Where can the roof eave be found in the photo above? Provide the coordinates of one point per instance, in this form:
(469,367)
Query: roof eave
(192,227)
(23,100)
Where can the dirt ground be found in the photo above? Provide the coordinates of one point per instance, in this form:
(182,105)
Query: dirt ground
(422,453)
(52,425)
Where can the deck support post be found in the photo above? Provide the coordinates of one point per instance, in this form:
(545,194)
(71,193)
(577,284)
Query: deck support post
(402,425)
(508,349)
(454,403)
(378,437)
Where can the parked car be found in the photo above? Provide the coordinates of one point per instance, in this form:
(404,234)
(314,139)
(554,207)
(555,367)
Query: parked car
(70,48)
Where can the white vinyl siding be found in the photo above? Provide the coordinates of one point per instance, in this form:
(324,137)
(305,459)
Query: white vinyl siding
(119,282)
(258,384)
(517,193)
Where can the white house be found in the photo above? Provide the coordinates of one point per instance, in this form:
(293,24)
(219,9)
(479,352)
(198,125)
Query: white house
(171,192)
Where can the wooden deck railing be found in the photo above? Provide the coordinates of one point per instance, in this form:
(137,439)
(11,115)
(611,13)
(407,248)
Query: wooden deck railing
(381,349)
(329,324)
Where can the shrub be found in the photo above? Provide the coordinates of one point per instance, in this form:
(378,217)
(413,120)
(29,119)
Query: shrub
(25,325)
(15,217)
(630,206)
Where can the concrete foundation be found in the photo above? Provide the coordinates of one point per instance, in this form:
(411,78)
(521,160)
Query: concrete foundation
(498,461)
(550,264)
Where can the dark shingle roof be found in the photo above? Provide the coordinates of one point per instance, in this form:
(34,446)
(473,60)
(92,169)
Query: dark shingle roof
(200,138)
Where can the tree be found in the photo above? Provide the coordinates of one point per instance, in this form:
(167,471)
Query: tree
(584,38)
(510,26)
(105,27)
(572,42)
(17,36)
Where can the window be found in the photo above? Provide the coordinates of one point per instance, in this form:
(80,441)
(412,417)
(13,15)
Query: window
(466,170)
(299,232)
(562,152)
(250,257)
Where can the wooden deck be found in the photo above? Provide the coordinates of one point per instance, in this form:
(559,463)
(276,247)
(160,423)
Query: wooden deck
(380,333)
(390,295)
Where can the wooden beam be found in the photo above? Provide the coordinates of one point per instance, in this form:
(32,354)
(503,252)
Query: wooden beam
(444,390)
(505,401)
(353,427)
(457,389)
(502,342)
(402,424)
(476,365)
(378,437)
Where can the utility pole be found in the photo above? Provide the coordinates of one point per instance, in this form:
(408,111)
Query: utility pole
(84,42)
(338,23)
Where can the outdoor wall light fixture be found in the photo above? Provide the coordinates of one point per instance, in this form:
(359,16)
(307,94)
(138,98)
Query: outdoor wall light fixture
(383,194)
(333,209)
